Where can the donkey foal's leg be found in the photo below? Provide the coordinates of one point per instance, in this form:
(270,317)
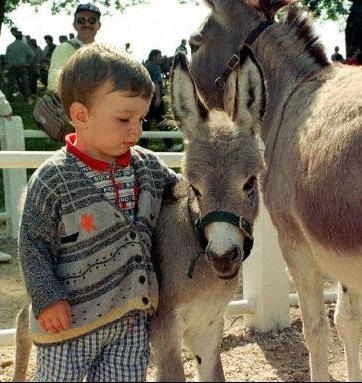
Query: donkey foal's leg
(204,343)
(348,322)
(165,342)
(23,345)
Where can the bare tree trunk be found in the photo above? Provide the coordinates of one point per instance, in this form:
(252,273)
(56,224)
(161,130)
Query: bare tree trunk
(353,31)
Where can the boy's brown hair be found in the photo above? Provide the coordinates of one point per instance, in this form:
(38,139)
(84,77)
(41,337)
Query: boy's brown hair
(95,64)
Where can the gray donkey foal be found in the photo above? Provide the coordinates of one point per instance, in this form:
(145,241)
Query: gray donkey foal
(210,213)
(221,165)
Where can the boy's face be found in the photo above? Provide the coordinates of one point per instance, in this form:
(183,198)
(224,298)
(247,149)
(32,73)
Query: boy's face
(111,124)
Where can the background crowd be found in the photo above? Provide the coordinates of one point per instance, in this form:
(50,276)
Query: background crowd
(30,71)
(355,59)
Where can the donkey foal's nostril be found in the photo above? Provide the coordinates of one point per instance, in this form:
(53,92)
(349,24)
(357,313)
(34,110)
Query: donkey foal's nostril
(235,254)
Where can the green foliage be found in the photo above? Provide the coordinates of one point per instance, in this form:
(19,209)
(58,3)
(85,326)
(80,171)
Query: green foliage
(65,6)
(328,9)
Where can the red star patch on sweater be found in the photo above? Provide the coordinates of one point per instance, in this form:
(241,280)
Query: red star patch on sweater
(87,223)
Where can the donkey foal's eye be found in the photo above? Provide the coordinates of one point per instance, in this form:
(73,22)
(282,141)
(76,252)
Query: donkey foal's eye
(250,185)
(196,191)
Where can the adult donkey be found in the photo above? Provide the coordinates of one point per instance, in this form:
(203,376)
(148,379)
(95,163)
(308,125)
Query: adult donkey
(311,126)
(210,212)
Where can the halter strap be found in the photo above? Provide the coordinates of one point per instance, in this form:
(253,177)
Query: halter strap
(236,60)
(220,216)
(232,63)
(225,216)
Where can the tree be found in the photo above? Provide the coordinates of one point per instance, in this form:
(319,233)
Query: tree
(68,6)
(353,30)
(327,9)
(61,6)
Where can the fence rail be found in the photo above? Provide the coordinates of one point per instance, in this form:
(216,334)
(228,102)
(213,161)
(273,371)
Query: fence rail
(17,159)
(146,134)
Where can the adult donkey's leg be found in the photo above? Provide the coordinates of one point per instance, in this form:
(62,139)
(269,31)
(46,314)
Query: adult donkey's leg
(23,344)
(203,340)
(348,320)
(310,288)
(165,339)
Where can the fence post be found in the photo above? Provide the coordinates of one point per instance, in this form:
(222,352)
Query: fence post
(265,280)
(15,180)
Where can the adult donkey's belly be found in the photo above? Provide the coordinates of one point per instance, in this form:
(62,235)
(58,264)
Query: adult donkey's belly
(313,182)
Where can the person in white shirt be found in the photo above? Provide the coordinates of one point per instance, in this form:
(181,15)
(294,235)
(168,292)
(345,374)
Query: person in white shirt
(5,107)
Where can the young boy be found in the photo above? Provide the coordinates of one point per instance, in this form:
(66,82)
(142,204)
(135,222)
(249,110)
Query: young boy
(87,223)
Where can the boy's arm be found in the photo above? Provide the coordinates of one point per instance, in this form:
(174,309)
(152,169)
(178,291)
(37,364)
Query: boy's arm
(38,244)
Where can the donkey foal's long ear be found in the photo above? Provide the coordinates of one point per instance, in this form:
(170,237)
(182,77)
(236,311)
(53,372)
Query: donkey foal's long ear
(229,96)
(187,104)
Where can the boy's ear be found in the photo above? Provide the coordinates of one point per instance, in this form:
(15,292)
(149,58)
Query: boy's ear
(78,113)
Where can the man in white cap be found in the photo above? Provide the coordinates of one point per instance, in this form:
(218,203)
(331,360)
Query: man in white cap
(87,24)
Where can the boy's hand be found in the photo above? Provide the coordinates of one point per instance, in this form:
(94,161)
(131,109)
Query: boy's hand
(56,317)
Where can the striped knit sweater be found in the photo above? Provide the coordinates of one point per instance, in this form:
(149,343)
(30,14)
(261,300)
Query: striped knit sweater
(76,245)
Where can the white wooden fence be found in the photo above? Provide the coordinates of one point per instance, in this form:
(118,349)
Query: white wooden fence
(266,298)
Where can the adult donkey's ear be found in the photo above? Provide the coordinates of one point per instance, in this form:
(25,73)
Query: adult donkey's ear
(243,95)
(268,7)
(187,104)
(229,96)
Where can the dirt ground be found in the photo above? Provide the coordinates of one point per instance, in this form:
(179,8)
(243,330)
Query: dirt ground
(247,354)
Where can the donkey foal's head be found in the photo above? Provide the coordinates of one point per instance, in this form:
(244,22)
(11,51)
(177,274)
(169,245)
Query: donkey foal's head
(221,163)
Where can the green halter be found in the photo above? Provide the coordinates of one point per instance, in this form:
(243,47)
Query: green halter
(221,216)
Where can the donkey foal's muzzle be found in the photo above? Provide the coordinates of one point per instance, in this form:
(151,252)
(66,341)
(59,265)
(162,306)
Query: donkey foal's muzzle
(222,216)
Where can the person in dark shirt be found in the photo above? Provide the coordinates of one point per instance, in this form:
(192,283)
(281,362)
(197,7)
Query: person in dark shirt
(157,107)
(182,48)
(18,57)
(336,56)
(49,48)
(47,54)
